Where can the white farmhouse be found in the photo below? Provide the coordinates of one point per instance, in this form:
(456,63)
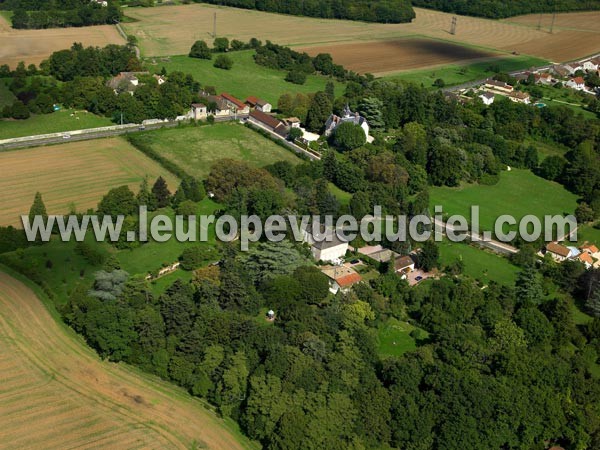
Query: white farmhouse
(487,98)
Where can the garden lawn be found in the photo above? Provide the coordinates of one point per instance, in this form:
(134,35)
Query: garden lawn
(479,264)
(518,193)
(64,120)
(395,339)
(195,149)
(246,78)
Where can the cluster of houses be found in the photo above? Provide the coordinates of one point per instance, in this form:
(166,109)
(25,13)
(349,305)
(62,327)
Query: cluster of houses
(129,81)
(570,75)
(328,248)
(588,254)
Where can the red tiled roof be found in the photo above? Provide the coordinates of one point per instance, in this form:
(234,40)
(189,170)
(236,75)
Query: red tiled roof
(232,99)
(578,80)
(251,101)
(348,280)
(590,247)
(558,249)
(586,258)
(268,120)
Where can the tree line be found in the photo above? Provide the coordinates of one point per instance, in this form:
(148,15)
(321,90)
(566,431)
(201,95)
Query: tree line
(35,14)
(498,9)
(384,11)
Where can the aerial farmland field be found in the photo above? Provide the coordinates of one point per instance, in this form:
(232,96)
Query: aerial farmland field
(33,46)
(172,31)
(75,174)
(57,393)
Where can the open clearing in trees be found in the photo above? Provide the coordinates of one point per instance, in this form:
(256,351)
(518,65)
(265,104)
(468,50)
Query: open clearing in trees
(33,46)
(172,30)
(57,393)
(84,171)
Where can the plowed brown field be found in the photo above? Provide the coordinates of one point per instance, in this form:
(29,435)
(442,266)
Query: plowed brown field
(56,393)
(380,57)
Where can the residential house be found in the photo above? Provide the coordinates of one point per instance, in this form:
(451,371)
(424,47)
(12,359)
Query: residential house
(522,76)
(159,79)
(590,65)
(544,78)
(586,259)
(217,106)
(347,116)
(559,252)
(251,101)
(292,122)
(199,111)
(591,250)
(577,83)
(573,67)
(269,122)
(325,245)
(487,98)
(341,278)
(235,105)
(498,86)
(520,97)
(264,106)
(125,82)
(404,265)
(561,71)
(378,253)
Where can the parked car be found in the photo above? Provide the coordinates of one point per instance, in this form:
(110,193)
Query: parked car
(66,136)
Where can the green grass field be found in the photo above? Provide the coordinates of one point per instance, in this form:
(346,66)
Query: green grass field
(342,196)
(546,149)
(565,97)
(246,78)
(518,193)
(588,233)
(65,120)
(479,264)
(395,339)
(194,149)
(454,74)
(65,273)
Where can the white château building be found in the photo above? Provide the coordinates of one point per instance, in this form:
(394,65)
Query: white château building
(347,116)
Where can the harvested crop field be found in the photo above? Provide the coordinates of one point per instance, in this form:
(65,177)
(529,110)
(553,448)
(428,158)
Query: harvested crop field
(171,30)
(57,393)
(382,57)
(74,174)
(33,46)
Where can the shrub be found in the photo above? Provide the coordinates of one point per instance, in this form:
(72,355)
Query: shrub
(223,62)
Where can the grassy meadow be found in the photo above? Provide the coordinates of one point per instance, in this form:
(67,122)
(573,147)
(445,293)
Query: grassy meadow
(245,78)
(478,263)
(195,149)
(518,193)
(395,339)
(56,122)
(454,74)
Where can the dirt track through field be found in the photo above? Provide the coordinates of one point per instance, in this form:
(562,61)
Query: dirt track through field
(56,393)
(33,46)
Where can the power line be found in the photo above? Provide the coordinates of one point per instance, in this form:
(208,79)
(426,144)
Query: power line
(453,26)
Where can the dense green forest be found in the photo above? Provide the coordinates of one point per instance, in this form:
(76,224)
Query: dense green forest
(495,9)
(61,13)
(385,11)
